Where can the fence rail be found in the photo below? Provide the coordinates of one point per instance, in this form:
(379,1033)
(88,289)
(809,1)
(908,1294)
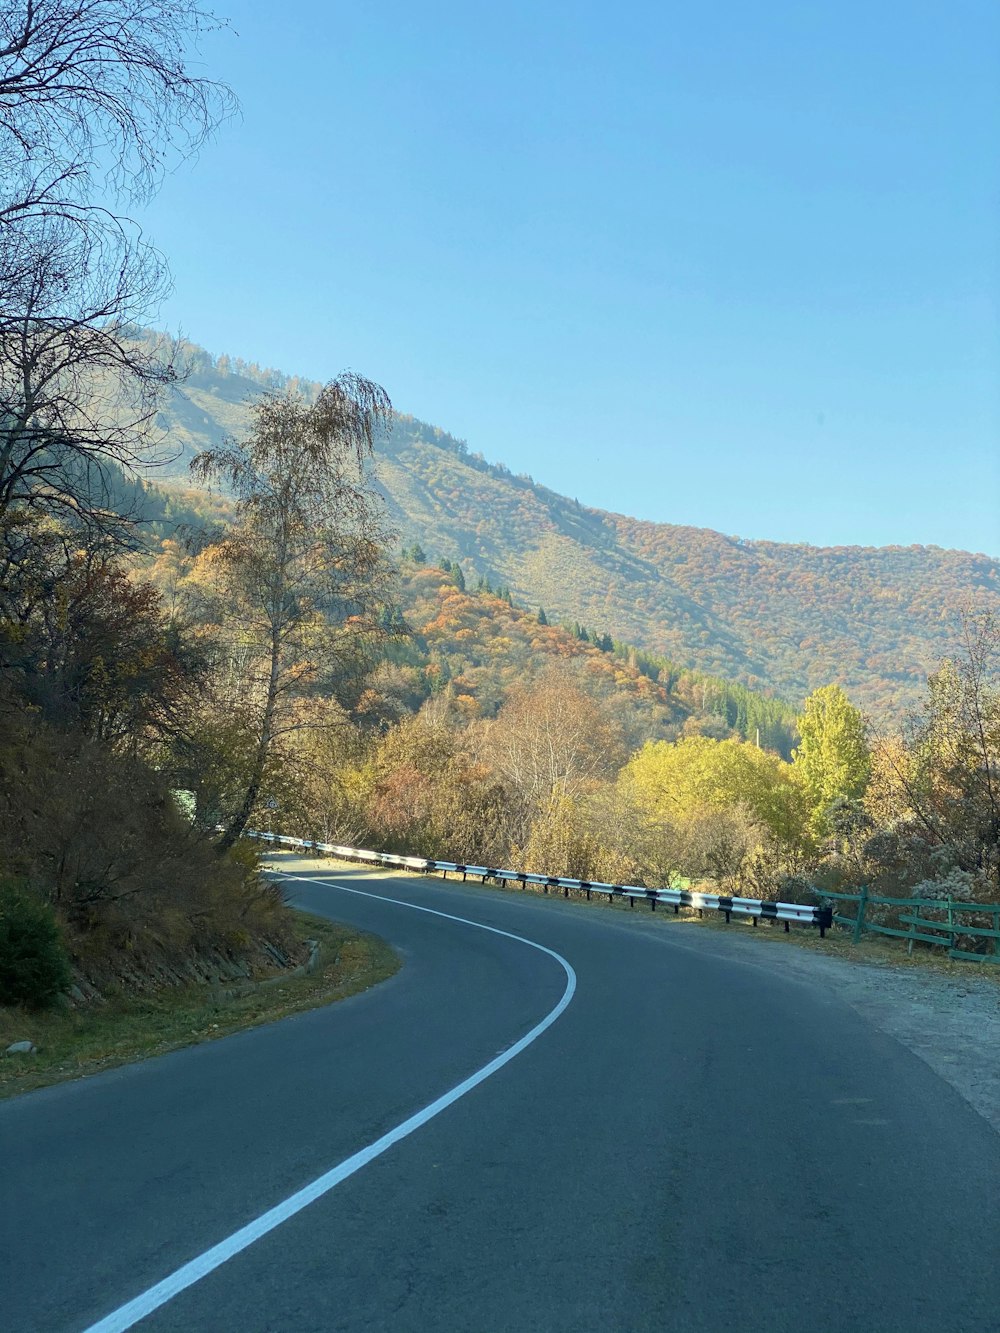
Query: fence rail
(752,908)
(931,921)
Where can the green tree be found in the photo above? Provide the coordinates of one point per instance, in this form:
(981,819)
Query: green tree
(34,967)
(832,761)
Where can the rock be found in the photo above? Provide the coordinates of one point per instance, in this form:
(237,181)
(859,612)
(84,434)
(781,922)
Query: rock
(21,1048)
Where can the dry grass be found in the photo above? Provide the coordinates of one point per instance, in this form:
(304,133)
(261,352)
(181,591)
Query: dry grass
(74,1042)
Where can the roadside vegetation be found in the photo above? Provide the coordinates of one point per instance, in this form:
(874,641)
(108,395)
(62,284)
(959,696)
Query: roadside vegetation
(129,731)
(554,783)
(123,1026)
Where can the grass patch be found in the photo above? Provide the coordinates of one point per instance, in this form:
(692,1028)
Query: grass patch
(75,1042)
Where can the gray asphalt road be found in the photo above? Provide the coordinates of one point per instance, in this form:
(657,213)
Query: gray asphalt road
(694,1144)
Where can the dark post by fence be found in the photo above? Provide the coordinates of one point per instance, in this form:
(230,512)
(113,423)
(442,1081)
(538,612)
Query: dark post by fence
(859,920)
(824,920)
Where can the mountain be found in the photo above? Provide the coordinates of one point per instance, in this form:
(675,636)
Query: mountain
(779,617)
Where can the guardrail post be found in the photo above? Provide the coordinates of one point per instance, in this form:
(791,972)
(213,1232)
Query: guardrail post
(859,920)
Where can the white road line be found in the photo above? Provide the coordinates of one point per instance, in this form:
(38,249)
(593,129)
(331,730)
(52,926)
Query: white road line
(127,1316)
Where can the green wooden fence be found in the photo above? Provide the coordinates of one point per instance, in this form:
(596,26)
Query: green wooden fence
(935,921)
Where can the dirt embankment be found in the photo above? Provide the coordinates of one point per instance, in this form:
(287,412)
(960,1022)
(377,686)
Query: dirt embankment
(157,970)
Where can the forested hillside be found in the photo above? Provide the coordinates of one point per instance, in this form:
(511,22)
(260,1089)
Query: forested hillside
(783,617)
(479,647)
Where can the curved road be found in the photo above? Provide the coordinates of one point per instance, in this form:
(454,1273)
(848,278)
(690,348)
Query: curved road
(692,1144)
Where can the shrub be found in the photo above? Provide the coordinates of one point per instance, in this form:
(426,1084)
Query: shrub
(34,968)
(796,889)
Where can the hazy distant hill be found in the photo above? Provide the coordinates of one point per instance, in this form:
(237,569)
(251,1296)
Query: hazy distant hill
(787,617)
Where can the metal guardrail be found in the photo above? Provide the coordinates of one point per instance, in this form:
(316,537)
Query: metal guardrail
(753,908)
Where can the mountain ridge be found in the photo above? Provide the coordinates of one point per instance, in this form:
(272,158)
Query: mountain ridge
(785,617)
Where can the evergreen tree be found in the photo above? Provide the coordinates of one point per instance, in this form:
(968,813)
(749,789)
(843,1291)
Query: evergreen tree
(542,617)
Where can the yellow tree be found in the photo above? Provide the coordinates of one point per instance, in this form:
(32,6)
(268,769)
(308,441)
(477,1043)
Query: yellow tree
(832,761)
(679,781)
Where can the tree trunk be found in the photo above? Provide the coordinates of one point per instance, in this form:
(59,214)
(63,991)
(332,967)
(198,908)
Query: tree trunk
(239,821)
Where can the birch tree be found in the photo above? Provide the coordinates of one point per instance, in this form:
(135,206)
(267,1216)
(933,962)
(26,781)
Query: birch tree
(301,572)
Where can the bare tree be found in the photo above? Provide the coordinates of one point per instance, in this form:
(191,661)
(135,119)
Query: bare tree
(78,388)
(96,98)
(300,571)
(942,779)
(549,742)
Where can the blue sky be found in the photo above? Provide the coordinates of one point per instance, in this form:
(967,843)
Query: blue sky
(733,265)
